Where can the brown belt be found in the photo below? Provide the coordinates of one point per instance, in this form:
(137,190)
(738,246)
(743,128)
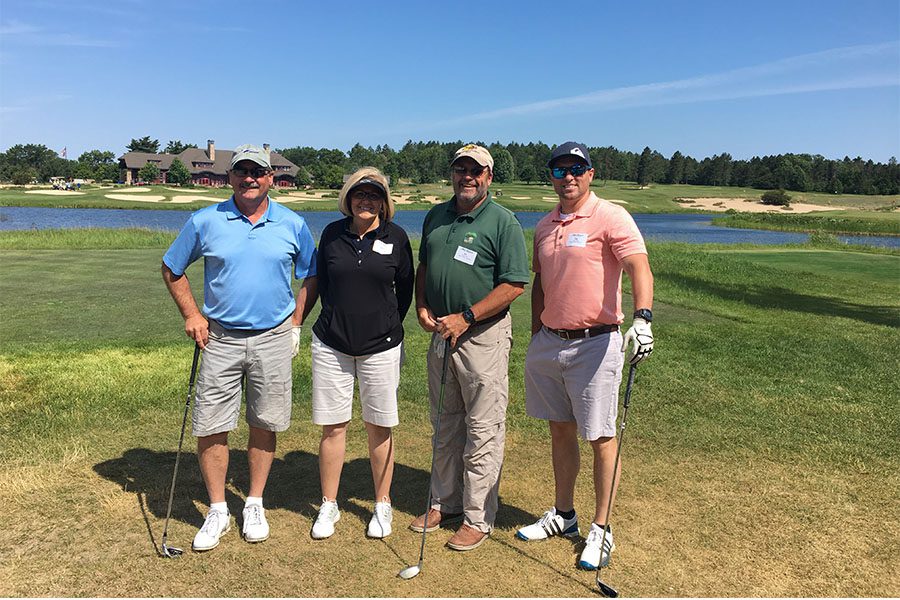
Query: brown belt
(578,334)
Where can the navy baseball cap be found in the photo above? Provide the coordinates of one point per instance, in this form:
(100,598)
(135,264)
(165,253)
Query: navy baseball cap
(571,149)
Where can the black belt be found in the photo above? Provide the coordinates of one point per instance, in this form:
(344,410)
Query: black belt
(578,334)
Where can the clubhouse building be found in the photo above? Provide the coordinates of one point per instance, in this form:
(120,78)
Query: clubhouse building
(207,167)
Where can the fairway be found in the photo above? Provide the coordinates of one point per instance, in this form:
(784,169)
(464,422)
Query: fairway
(760,460)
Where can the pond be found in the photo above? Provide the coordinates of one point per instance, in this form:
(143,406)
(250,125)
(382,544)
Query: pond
(692,228)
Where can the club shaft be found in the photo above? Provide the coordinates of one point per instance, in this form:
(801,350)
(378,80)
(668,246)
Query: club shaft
(437,430)
(612,488)
(187,404)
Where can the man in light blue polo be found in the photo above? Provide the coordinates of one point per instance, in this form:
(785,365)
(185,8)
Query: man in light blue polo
(249,327)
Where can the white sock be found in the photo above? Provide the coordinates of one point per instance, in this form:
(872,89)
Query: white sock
(219,506)
(251,500)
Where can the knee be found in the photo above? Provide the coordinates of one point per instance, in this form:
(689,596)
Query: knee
(334,432)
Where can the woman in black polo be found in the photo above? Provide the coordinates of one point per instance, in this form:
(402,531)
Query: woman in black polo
(365,275)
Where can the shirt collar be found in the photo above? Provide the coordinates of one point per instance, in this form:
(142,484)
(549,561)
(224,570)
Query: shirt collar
(451,207)
(380,232)
(585,210)
(233,212)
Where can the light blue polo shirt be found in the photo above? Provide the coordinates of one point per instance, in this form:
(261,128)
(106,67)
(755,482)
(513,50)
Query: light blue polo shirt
(247,267)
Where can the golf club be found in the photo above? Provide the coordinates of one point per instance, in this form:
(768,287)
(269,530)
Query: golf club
(412,571)
(606,590)
(169,551)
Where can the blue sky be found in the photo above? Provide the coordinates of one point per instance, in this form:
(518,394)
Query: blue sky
(702,77)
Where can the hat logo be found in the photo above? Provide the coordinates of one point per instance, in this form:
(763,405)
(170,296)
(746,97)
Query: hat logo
(577,151)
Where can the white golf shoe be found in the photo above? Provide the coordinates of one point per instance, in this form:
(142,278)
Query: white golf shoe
(328,516)
(380,524)
(548,525)
(256,528)
(216,523)
(592,555)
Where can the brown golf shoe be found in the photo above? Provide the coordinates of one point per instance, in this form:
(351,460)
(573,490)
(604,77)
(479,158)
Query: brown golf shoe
(436,518)
(467,538)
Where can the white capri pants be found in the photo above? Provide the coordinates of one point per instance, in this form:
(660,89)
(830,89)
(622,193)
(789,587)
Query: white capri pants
(334,374)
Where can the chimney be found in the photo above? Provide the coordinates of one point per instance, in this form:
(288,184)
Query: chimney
(211,149)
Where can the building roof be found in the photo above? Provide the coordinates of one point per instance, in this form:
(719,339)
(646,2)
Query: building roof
(196,159)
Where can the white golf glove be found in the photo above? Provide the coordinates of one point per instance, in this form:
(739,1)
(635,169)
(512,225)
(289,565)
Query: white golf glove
(295,340)
(642,337)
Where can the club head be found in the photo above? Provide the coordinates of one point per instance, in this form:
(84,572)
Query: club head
(170,552)
(409,572)
(606,590)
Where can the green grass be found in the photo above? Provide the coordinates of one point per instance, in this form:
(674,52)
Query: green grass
(516,196)
(872,223)
(761,435)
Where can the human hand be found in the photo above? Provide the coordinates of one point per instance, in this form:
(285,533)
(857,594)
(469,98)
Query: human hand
(197,328)
(642,336)
(295,340)
(451,327)
(426,318)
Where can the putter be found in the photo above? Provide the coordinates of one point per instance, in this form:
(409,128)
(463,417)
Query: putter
(167,550)
(607,590)
(412,571)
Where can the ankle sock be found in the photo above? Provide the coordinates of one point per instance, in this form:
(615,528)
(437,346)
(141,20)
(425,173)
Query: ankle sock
(219,506)
(251,500)
(569,514)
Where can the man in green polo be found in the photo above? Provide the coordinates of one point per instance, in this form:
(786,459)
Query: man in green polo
(472,265)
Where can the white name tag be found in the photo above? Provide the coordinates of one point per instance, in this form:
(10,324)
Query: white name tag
(577,240)
(465,255)
(382,248)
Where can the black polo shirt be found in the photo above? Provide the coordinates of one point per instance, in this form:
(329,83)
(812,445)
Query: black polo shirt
(365,286)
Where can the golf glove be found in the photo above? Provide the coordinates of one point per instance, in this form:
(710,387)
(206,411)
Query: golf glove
(642,336)
(295,340)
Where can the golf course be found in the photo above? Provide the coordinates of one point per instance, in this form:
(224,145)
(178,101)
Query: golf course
(761,454)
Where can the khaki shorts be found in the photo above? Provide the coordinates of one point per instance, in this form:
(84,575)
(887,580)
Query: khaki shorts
(334,375)
(264,359)
(575,380)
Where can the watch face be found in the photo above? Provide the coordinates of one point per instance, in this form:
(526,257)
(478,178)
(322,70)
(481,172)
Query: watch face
(643,313)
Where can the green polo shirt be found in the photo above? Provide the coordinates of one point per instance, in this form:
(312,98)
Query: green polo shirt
(469,255)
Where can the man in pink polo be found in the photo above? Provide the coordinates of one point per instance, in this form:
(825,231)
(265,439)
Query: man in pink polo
(575,358)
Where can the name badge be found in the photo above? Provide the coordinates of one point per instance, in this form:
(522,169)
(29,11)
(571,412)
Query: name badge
(382,248)
(465,255)
(576,240)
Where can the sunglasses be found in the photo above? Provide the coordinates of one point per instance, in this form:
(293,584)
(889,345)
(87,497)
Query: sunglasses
(474,171)
(255,172)
(575,170)
(364,195)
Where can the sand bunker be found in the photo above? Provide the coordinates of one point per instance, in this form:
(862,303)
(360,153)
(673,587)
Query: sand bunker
(134,190)
(135,199)
(182,189)
(748,205)
(186,199)
(55,192)
(521,197)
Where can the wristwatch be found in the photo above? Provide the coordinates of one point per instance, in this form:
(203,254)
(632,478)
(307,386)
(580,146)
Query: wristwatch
(469,316)
(643,313)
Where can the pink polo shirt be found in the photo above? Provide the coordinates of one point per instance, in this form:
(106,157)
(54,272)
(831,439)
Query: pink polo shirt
(580,264)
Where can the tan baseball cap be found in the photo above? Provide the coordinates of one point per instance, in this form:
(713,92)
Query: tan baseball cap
(477,153)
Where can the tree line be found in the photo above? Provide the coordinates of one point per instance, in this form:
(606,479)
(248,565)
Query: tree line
(426,162)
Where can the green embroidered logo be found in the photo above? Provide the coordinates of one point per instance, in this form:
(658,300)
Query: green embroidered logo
(470,237)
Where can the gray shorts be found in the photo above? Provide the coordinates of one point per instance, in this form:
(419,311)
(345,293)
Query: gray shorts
(575,380)
(264,357)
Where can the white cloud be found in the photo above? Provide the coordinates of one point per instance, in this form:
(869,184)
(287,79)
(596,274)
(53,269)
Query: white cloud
(854,67)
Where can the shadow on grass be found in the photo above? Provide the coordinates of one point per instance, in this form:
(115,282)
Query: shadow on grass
(785,299)
(293,485)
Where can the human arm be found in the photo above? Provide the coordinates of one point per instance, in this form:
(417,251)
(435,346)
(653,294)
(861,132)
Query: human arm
(537,303)
(640,334)
(454,325)
(404,281)
(426,317)
(196,325)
